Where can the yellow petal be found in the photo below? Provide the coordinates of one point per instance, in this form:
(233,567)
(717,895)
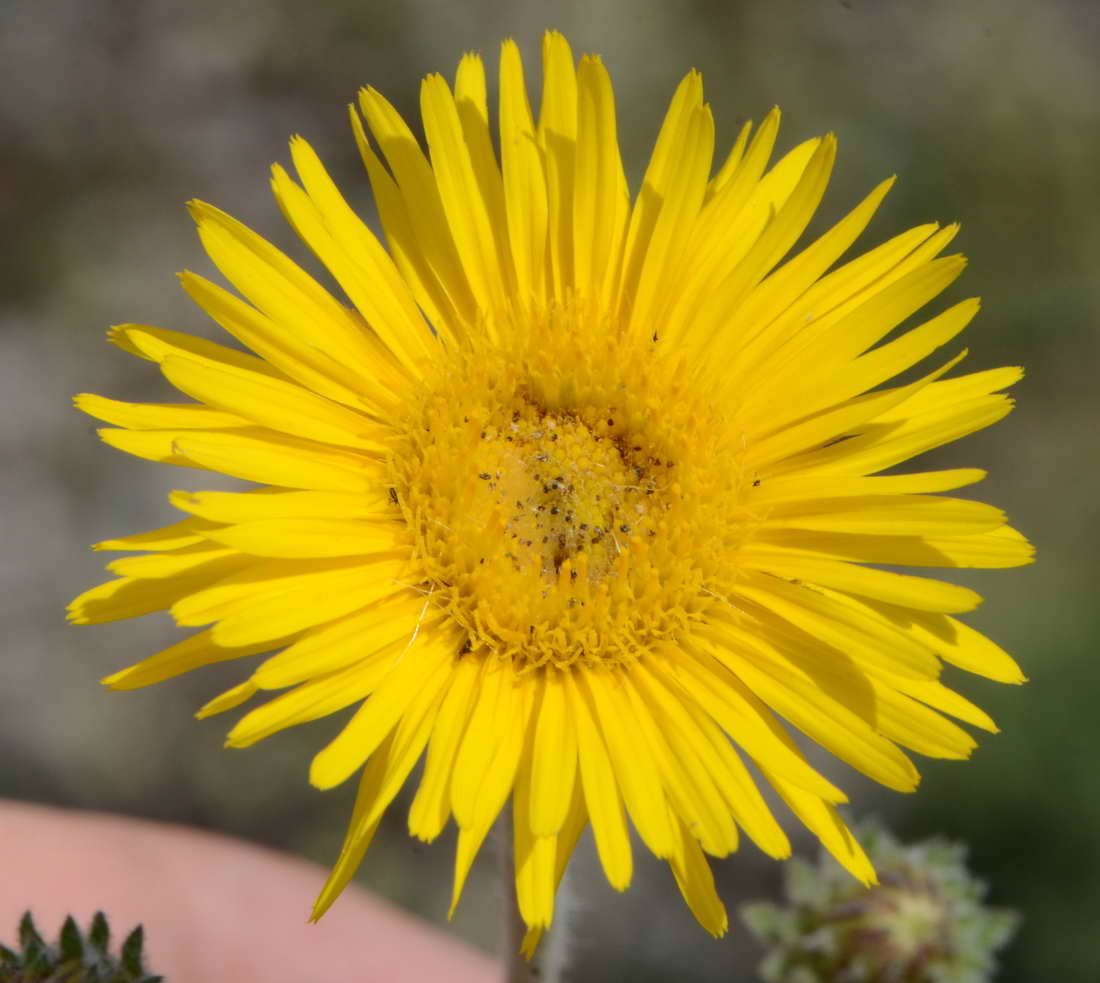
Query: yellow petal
(276,459)
(498,701)
(684,108)
(431,807)
(696,806)
(601,201)
(918,727)
(262,504)
(664,261)
(156,416)
(274,598)
(850,337)
(886,361)
(412,211)
(359,834)
(283,406)
(743,798)
(601,792)
(557,135)
(1001,547)
(729,225)
(823,428)
(937,414)
(157,344)
(936,695)
(827,719)
(898,515)
(828,300)
(283,344)
(734,707)
(191,653)
(492,792)
(553,758)
(187,532)
(637,772)
(957,643)
(152,445)
(533,855)
(229,700)
(822,819)
(696,883)
(566,842)
(844,627)
(319,696)
(781,289)
(346,640)
(279,287)
(391,310)
(189,559)
(524,181)
(732,162)
(129,598)
(388,357)
(409,741)
(462,202)
(879,585)
(797,488)
(777,237)
(704,767)
(307,538)
(426,659)
(473,113)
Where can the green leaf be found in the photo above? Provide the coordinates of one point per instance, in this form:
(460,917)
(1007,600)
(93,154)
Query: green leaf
(100,934)
(72,945)
(131,951)
(28,934)
(75,958)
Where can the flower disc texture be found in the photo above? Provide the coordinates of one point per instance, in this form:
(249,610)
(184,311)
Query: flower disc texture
(579,497)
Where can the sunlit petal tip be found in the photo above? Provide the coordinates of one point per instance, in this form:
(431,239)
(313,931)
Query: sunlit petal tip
(201,212)
(228,700)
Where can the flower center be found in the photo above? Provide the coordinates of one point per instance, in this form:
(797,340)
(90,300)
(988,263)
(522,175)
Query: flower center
(544,485)
(561,493)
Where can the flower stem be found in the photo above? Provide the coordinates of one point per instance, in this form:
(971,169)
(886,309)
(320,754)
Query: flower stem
(552,957)
(557,947)
(516,968)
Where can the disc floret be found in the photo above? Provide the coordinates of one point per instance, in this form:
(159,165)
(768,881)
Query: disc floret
(565,515)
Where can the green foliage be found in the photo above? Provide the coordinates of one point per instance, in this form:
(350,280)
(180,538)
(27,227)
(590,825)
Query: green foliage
(924,922)
(76,958)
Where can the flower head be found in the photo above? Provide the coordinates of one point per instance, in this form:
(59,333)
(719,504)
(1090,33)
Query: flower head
(570,492)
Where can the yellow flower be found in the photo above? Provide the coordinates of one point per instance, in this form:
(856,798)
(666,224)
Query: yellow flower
(573,493)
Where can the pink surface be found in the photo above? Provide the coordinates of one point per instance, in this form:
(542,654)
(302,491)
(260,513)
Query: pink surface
(214,909)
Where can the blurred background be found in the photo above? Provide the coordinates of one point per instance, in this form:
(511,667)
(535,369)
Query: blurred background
(114,112)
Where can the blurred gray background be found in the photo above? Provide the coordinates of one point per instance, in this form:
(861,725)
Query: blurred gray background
(114,112)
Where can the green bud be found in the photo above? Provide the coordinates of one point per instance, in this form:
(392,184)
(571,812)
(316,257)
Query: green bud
(924,922)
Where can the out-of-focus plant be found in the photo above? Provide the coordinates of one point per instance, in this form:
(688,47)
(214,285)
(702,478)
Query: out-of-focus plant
(924,922)
(76,958)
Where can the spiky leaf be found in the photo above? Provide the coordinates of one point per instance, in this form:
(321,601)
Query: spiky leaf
(75,958)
